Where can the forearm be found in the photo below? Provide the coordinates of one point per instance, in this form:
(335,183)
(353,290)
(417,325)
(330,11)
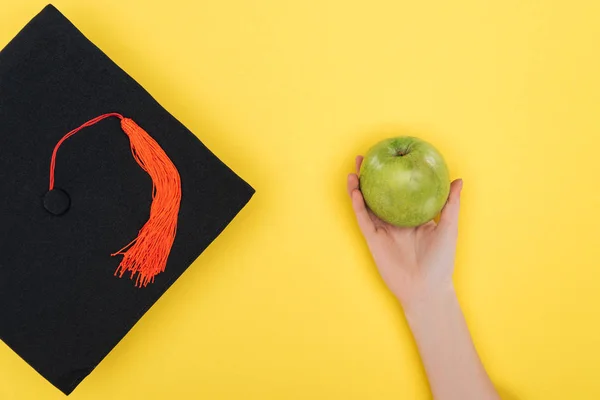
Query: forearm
(453,367)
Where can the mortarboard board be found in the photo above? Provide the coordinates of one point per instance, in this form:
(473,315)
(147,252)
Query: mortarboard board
(105,200)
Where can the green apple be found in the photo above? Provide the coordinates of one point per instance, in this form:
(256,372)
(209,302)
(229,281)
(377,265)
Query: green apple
(404,181)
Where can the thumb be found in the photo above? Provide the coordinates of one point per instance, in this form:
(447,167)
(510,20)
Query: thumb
(449,216)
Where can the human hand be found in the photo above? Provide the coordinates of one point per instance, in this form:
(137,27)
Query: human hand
(413,262)
(417,265)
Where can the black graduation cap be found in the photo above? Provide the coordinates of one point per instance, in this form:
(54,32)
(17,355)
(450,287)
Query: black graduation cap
(105,200)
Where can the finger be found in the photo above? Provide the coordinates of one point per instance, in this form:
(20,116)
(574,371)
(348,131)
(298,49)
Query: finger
(449,216)
(363,218)
(359,160)
(352,184)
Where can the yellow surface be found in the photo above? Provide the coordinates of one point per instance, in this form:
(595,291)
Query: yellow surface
(286,304)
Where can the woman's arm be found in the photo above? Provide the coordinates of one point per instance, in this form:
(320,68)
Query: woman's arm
(450,359)
(417,265)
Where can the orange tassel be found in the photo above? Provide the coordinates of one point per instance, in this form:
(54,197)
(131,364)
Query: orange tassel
(146,256)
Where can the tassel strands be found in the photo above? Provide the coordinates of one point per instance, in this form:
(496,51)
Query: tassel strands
(145,256)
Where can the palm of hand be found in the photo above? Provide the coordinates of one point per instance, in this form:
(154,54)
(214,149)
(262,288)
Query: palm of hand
(410,260)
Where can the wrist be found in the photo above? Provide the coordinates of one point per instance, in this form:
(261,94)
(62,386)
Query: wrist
(427,299)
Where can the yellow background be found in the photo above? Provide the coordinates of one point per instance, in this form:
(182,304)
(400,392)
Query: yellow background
(286,303)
